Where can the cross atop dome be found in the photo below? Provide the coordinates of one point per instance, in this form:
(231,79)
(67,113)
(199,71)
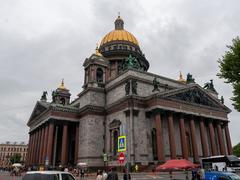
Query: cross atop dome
(61,86)
(97,51)
(119,24)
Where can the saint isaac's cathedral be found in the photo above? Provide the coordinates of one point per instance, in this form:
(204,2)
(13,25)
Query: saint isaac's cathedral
(163,118)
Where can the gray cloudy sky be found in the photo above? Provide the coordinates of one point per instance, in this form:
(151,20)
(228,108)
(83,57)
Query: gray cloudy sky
(43,41)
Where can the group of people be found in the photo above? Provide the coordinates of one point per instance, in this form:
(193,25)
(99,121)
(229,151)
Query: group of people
(112,175)
(198,174)
(15,172)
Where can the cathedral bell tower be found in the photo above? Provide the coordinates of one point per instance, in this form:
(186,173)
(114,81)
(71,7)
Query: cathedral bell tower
(96,70)
(61,95)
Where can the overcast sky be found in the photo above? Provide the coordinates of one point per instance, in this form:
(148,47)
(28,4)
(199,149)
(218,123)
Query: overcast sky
(43,41)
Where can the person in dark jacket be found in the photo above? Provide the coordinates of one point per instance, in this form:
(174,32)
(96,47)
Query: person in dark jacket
(112,174)
(125,175)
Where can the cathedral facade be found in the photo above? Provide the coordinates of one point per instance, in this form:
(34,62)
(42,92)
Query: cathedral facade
(162,118)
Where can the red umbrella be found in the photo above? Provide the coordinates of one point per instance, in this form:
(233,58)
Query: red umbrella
(177,164)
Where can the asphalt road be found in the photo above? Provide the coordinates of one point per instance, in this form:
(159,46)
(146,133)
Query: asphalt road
(135,176)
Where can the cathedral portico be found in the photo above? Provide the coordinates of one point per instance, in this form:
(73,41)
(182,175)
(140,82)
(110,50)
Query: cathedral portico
(189,136)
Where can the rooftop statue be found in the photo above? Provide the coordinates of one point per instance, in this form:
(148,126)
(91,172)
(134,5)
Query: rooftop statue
(131,63)
(44,96)
(134,87)
(127,87)
(222,100)
(156,85)
(131,87)
(209,86)
(53,96)
(190,79)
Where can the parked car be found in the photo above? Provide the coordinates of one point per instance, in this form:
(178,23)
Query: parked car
(48,175)
(220,175)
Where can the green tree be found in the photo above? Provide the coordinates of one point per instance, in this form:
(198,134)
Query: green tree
(229,66)
(236,150)
(16,158)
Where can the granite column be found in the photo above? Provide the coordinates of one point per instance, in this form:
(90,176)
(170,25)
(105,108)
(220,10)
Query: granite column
(160,147)
(171,136)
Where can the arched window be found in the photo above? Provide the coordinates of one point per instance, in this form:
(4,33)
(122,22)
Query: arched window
(99,75)
(114,129)
(62,101)
(115,142)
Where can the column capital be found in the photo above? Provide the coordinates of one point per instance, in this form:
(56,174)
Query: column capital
(135,112)
(158,111)
(127,112)
(226,123)
(209,121)
(181,115)
(169,112)
(202,118)
(220,122)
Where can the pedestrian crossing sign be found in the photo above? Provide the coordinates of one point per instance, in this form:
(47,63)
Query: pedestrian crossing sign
(121,143)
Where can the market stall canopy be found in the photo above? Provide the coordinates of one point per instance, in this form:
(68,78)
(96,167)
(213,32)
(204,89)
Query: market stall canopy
(177,164)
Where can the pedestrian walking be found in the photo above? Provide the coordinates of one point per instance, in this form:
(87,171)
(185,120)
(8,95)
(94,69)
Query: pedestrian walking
(126,176)
(100,175)
(82,173)
(105,175)
(112,174)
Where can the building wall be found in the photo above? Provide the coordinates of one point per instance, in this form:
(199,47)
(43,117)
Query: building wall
(138,132)
(145,76)
(150,124)
(121,116)
(91,142)
(92,98)
(116,87)
(140,137)
(115,94)
(7,150)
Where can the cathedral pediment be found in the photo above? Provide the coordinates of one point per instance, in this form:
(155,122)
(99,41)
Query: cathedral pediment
(195,95)
(39,108)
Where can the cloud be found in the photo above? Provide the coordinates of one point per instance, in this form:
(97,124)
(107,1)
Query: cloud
(42,42)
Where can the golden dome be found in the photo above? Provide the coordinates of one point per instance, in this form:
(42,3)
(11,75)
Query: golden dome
(61,86)
(181,79)
(119,34)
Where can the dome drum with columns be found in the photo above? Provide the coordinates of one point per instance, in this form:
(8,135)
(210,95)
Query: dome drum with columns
(118,44)
(162,118)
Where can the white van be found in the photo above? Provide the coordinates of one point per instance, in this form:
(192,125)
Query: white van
(48,175)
